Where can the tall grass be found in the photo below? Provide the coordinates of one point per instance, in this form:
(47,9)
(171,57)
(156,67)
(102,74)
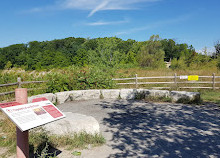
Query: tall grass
(7,134)
(144,72)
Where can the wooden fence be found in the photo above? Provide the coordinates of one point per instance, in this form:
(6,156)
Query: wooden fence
(19,83)
(175,82)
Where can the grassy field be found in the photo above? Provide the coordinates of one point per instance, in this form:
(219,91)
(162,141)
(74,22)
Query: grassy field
(130,72)
(211,96)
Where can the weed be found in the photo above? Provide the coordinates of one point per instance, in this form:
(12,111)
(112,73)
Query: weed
(158,99)
(101,96)
(8,136)
(78,140)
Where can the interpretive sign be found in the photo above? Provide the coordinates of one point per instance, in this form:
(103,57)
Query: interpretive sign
(31,115)
(184,77)
(193,78)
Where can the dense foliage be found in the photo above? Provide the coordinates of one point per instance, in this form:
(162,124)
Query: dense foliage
(108,52)
(71,78)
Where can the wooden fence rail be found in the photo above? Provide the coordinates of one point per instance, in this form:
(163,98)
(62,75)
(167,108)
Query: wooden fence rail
(175,81)
(19,83)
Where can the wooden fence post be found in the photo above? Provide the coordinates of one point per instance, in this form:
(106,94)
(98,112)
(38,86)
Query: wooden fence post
(175,80)
(22,137)
(19,82)
(213,81)
(136,81)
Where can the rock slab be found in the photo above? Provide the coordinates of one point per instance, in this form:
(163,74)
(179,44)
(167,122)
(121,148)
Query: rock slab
(73,123)
(184,97)
(153,93)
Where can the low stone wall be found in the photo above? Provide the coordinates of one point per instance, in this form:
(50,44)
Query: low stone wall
(175,96)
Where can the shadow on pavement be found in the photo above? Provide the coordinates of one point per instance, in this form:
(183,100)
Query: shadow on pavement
(163,130)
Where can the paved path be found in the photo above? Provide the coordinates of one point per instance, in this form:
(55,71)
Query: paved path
(140,129)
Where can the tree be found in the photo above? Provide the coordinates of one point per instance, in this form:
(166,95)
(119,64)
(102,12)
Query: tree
(81,57)
(2,59)
(217,48)
(11,52)
(218,63)
(107,50)
(130,58)
(169,47)
(151,53)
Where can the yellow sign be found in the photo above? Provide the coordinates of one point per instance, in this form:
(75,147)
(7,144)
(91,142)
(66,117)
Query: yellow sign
(193,78)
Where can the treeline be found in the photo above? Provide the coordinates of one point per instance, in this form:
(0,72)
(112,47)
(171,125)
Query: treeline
(111,52)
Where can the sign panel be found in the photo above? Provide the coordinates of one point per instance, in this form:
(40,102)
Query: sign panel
(184,77)
(193,78)
(31,115)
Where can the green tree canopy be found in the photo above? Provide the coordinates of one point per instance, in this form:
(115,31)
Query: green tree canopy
(151,53)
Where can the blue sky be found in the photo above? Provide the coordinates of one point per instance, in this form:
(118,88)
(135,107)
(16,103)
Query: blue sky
(193,22)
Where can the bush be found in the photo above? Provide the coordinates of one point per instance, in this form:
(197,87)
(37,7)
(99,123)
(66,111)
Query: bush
(74,78)
(178,64)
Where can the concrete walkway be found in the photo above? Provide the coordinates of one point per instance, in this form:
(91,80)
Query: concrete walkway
(140,129)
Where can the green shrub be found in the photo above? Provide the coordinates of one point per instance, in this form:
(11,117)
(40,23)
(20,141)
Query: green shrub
(80,79)
(178,64)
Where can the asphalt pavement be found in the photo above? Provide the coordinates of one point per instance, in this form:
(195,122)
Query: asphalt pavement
(144,129)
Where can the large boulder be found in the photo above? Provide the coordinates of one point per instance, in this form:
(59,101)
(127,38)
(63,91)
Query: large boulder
(110,93)
(185,97)
(73,123)
(50,96)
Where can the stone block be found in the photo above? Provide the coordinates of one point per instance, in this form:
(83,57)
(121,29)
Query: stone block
(159,93)
(185,97)
(90,94)
(76,95)
(128,93)
(63,97)
(110,93)
(50,96)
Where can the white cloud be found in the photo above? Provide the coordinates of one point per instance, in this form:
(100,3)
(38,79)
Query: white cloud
(101,6)
(99,23)
(94,5)
(155,25)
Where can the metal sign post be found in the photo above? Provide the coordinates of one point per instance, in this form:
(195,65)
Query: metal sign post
(22,137)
